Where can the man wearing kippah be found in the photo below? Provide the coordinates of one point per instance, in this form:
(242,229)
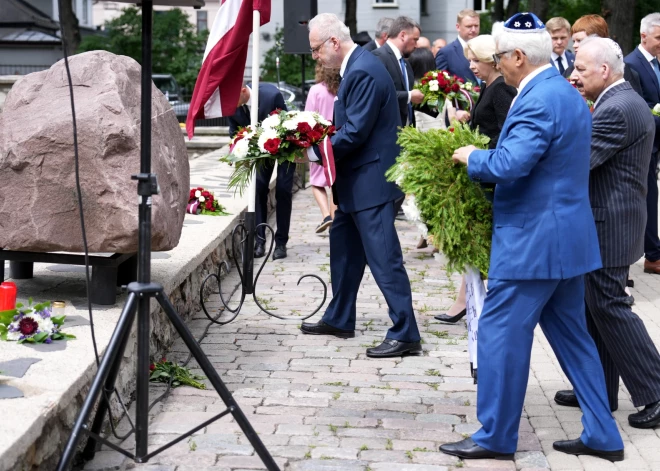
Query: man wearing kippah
(544,241)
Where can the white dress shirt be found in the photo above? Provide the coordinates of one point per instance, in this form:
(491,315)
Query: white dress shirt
(398,55)
(564,60)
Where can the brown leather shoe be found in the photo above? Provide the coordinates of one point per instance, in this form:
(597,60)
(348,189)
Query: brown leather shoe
(652,267)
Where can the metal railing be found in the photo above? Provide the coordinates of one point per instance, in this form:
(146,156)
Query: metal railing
(181,111)
(21,69)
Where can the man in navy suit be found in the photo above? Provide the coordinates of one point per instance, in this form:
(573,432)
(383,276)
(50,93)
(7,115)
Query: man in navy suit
(270,99)
(382,29)
(364,147)
(544,241)
(561,58)
(643,60)
(451,57)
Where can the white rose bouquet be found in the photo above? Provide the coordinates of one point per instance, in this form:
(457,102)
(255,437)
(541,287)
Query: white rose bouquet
(284,135)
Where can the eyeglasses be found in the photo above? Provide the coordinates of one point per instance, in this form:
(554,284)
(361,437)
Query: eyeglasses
(315,50)
(497,57)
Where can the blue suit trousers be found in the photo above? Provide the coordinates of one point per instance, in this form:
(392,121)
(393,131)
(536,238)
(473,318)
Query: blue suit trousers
(361,237)
(512,310)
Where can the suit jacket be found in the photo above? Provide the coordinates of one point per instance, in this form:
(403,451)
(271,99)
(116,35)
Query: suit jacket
(364,147)
(452,59)
(371,46)
(542,222)
(386,55)
(270,99)
(490,110)
(650,86)
(621,143)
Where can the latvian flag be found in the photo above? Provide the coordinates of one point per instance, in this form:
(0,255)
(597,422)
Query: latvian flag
(221,76)
(328,161)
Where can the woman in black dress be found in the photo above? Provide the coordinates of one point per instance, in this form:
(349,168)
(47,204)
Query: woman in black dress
(488,114)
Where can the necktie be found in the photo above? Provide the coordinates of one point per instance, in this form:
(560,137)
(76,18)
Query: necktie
(404,72)
(560,65)
(656,69)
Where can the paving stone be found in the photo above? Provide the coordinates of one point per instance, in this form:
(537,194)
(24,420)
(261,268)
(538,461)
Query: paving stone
(531,459)
(328,465)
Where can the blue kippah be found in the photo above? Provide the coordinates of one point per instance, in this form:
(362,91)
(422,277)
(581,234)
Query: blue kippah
(524,23)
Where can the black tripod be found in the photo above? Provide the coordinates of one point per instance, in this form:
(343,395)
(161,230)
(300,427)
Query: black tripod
(138,300)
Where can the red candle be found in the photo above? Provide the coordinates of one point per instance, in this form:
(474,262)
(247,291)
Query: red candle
(7,296)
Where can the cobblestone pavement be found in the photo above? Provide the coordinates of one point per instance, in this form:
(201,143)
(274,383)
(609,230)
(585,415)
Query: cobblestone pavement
(319,403)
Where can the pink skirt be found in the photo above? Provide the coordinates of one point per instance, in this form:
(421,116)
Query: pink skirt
(316,175)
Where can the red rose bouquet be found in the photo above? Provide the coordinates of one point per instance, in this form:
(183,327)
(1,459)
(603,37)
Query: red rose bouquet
(439,85)
(202,201)
(284,135)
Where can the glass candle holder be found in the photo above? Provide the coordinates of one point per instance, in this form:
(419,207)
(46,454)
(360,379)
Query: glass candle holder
(57,308)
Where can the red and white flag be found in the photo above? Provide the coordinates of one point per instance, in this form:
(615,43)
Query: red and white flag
(221,77)
(328,161)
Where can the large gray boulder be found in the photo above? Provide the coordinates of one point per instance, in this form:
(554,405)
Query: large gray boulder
(38,206)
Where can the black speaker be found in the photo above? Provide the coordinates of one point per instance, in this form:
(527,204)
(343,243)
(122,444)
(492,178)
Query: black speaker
(297,14)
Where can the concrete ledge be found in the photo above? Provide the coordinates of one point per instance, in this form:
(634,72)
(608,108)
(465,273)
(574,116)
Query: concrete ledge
(35,428)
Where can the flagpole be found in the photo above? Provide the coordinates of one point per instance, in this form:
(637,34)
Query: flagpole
(254,96)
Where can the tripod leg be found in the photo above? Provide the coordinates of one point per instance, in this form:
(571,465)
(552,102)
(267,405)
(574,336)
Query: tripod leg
(90,449)
(109,358)
(217,383)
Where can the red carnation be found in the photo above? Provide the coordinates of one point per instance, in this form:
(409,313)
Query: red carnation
(304,128)
(192,194)
(442,83)
(272,145)
(209,205)
(27,326)
(477,89)
(275,111)
(331,130)
(206,194)
(456,87)
(319,128)
(451,129)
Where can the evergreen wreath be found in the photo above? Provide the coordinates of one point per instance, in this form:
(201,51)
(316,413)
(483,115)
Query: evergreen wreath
(455,209)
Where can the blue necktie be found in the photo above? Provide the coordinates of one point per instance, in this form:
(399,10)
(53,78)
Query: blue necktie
(404,72)
(656,69)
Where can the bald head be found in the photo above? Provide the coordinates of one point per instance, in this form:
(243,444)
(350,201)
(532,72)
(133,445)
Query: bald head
(598,64)
(424,43)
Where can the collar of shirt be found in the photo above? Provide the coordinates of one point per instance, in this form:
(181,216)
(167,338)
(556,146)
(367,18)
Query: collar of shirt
(555,56)
(344,63)
(647,54)
(463,43)
(526,80)
(605,91)
(395,49)
(249,102)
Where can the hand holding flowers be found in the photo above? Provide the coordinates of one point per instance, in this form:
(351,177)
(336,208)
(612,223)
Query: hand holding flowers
(439,85)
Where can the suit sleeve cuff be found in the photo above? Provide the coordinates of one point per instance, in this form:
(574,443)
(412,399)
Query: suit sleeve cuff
(313,154)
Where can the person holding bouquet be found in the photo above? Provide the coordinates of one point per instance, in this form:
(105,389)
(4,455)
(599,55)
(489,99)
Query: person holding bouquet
(364,147)
(321,99)
(488,114)
(270,99)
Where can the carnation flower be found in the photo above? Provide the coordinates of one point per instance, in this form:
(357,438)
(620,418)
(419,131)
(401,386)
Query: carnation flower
(656,108)
(201,199)
(198,194)
(433,86)
(241,148)
(271,122)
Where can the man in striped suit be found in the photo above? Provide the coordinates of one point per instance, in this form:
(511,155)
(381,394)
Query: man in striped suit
(621,142)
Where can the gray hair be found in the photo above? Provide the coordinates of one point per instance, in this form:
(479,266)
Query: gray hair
(331,25)
(605,51)
(536,46)
(383,26)
(648,22)
(402,23)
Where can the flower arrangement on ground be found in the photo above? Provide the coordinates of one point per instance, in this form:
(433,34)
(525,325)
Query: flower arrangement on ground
(203,202)
(439,85)
(32,324)
(283,136)
(454,208)
(169,372)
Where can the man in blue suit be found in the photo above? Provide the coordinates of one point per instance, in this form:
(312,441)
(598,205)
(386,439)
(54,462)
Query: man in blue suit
(643,60)
(270,99)
(451,57)
(544,241)
(364,147)
(560,31)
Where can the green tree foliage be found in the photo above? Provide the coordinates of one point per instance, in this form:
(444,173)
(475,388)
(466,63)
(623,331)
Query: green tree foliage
(290,64)
(177,47)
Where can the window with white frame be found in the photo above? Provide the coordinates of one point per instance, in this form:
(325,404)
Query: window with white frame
(385,3)
(482,6)
(202,21)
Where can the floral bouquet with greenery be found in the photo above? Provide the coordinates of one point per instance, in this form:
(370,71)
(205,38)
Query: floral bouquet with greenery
(453,207)
(203,202)
(33,324)
(168,372)
(439,85)
(656,110)
(284,135)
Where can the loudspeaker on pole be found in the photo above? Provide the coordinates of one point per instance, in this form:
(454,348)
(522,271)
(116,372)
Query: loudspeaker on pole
(297,14)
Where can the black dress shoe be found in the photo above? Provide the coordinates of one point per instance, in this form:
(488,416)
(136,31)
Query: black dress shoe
(280,252)
(467,449)
(576,447)
(394,348)
(451,319)
(259,250)
(649,417)
(568,398)
(321,328)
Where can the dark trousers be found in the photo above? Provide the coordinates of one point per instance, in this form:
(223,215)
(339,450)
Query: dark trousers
(651,241)
(624,345)
(283,197)
(358,238)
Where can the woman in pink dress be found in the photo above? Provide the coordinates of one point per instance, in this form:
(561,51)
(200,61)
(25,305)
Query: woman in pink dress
(321,99)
